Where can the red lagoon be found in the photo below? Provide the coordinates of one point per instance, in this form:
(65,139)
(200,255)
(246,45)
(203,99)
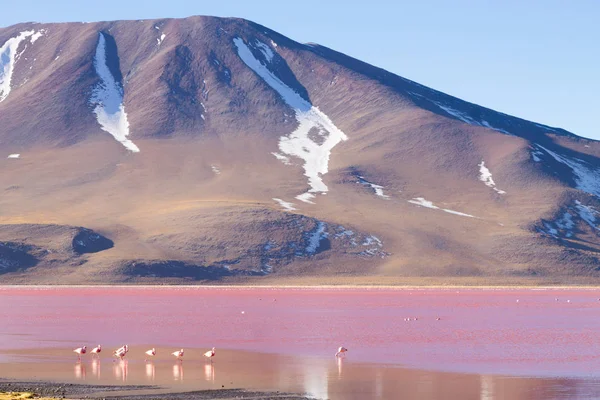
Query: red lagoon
(526,332)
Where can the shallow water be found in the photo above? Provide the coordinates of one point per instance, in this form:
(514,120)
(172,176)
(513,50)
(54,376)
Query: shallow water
(518,344)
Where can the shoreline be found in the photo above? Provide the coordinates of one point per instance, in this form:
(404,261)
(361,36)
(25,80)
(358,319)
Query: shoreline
(56,390)
(306,287)
(331,282)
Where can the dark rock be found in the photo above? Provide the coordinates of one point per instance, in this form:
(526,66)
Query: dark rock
(15,256)
(88,241)
(180,269)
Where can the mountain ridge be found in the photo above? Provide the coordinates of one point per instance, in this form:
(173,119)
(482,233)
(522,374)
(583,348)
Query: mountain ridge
(263,157)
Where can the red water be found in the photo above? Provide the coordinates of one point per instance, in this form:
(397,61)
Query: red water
(479,331)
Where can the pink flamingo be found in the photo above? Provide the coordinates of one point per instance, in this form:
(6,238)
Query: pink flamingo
(80,351)
(150,353)
(210,354)
(121,352)
(96,350)
(341,351)
(178,354)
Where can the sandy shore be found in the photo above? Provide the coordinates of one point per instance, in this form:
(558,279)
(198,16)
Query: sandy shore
(374,281)
(51,391)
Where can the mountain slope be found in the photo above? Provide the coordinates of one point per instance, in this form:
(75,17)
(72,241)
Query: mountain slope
(212,149)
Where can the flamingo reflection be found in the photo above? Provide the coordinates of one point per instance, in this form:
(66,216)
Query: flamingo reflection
(96,367)
(178,372)
(340,364)
(79,371)
(120,370)
(209,372)
(150,371)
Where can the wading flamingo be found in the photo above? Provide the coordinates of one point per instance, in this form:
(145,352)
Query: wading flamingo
(80,351)
(150,353)
(341,351)
(178,354)
(96,350)
(121,352)
(210,354)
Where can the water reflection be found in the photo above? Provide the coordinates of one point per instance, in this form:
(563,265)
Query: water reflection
(326,377)
(209,372)
(120,370)
(316,379)
(340,364)
(378,385)
(178,371)
(150,371)
(487,387)
(79,371)
(96,368)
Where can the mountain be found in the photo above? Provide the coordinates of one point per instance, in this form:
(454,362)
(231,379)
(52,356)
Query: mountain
(217,150)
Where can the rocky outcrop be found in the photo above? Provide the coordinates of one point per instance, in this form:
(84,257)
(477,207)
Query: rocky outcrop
(88,241)
(15,256)
(179,269)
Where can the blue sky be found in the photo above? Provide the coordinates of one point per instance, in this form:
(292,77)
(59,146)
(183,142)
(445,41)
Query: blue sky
(536,59)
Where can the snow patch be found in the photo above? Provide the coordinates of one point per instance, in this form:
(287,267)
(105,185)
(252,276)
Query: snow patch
(487,125)
(273,44)
(266,50)
(14,156)
(587,178)
(550,230)
(461,116)
(298,143)
(536,155)
(315,238)
(565,222)
(420,201)
(286,205)
(160,39)
(215,169)
(564,225)
(8,59)
(305,197)
(374,245)
(466,118)
(37,35)
(267,269)
(378,189)
(205,91)
(457,213)
(282,158)
(486,177)
(343,232)
(369,240)
(587,213)
(107,97)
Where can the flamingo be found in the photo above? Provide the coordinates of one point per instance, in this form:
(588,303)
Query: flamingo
(150,353)
(121,352)
(96,350)
(178,354)
(210,354)
(80,351)
(341,351)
